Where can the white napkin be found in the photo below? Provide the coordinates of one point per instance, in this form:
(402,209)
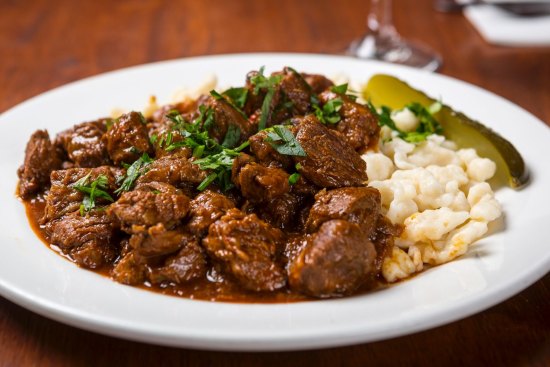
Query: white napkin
(500,27)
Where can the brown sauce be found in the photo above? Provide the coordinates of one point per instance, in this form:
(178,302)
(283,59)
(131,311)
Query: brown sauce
(202,289)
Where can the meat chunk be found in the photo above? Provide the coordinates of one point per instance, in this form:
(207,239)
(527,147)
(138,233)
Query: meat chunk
(157,187)
(88,239)
(358,124)
(185,266)
(137,210)
(319,83)
(176,171)
(284,212)
(205,209)
(359,205)
(246,247)
(41,158)
(128,270)
(127,139)
(63,198)
(259,183)
(164,133)
(266,154)
(166,144)
(329,162)
(226,117)
(157,240)
(334,261)
(253,101)
(84,145)
(295,88)
(290,96)
(238,164)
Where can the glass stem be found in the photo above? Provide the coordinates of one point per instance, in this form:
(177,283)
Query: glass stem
(380,25)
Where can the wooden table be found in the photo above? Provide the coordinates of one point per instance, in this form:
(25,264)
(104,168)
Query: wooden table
(44,44)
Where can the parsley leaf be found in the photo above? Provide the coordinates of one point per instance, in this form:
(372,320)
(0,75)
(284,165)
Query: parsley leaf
(293,178)
(211,155)
(340,89)
(265,108)
(109,122)
(133,172)
(282,140)
(220,164)
(219,97)
(195,134)
(232,136)
(428,125)
(93,190)
(237,95)
(329,113)
(343,90)
(260,81)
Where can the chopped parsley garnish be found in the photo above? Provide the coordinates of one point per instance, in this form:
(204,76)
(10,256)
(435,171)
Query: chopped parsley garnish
(282,140)
(340,89)
(220,164)
(237,95)
(92,190)
(343,89)
(293,178)
(142,118)
(133,171)
(232,136)
(218,96)
(328,114)
(260,81)
(265,108)
(428,125)
(211,155)
(109,122)
(195,134)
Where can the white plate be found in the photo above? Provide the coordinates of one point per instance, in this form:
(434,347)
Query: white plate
(496,268)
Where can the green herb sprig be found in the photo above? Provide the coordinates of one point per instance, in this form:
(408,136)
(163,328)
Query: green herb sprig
(209,153)
(92,190)
(237,95)
(260,81)
(428,125)
(220,164)
(343,90)
(283,141)
(329,113)
(293,178)
(195,134)
(218,97)
(133,171)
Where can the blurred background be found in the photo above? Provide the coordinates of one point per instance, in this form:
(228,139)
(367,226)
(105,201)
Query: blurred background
(48,43)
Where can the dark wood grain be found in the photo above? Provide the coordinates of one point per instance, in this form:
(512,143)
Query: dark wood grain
(45,44)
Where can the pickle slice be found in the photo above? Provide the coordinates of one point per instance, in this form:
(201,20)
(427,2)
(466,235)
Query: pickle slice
(466,133)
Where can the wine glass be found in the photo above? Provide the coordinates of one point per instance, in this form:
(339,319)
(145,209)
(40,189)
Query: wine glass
(382,42)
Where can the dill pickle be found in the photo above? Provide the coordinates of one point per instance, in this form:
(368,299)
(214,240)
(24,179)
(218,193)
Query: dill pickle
(466,133)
